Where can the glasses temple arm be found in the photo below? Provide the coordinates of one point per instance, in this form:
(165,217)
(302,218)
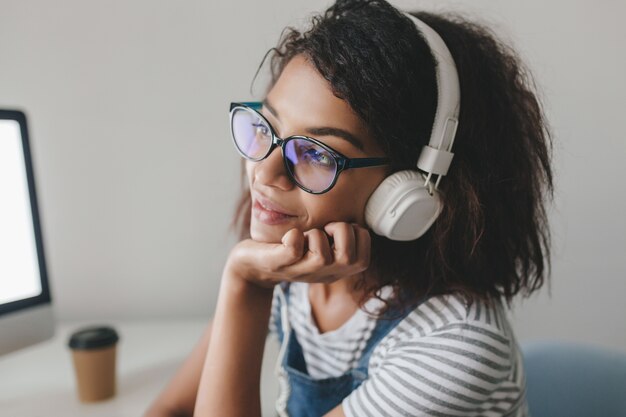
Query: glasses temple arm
(365,162)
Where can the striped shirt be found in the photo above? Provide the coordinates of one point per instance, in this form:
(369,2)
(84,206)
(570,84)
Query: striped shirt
(443,359)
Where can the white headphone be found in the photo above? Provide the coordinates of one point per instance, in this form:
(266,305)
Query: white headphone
(406,204)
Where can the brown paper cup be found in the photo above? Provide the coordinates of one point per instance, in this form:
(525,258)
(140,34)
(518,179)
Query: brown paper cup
(94,357)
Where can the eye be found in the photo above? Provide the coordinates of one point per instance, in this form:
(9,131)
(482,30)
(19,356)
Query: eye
(319,158)
(262,129)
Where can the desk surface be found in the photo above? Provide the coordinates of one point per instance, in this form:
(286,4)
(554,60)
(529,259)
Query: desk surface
(39,381)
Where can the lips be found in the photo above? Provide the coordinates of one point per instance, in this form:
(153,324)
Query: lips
(271,206)
(268,212)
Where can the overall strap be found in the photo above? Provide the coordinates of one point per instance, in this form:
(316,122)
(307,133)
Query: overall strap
(284,329)
(282,321)
(383,326)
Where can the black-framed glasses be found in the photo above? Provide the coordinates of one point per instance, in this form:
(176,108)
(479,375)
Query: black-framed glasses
(311,164)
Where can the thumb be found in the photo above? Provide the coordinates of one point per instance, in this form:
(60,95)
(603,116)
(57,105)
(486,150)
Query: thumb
(292,248)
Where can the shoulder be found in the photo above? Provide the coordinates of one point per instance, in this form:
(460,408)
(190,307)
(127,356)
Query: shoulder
(449,318)
(445,357)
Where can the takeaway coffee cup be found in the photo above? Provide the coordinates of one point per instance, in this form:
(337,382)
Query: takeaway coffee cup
(93,353)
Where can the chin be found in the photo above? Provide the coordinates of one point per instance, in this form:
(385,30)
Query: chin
(266,233)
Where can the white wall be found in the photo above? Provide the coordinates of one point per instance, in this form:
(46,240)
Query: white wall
(137,177)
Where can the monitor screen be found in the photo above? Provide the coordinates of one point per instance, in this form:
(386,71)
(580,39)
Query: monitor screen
(23,277)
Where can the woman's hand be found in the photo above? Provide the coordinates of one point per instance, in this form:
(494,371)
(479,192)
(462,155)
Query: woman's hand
(229,384)
(340,250)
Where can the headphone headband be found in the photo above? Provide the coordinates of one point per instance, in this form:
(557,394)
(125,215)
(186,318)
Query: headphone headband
(435,158)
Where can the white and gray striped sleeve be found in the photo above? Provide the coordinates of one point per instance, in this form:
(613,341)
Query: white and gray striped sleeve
(457,370)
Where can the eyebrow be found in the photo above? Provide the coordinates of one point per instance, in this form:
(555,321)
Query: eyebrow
(323,131)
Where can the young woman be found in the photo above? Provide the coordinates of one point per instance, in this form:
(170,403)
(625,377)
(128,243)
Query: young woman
(384,283)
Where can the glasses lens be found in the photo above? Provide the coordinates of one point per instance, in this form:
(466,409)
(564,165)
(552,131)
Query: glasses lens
(251,133)
(311,166)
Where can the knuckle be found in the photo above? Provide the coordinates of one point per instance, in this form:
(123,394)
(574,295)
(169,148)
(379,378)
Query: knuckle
(343,259)
(331,225)
(292,252)
(347,229)
(340,225)
(320,234)
(313,236)
(324,260)
(317,261)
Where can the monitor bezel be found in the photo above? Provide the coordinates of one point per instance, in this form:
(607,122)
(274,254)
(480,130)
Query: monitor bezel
(45,296)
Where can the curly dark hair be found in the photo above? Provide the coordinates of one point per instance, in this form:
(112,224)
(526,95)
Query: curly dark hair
(492,239)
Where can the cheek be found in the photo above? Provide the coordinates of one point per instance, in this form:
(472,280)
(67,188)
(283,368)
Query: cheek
(249,171)
(323,211)
(354,194)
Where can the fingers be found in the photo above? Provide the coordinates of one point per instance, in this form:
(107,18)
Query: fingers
(307,256)
(292,248)
(260,261)
(363,247)
(344,250)
(319,253)
(323,263)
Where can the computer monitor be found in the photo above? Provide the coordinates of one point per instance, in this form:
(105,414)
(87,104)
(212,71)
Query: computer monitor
(26,314)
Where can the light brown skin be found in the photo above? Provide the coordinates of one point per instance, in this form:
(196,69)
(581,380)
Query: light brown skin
(230,353)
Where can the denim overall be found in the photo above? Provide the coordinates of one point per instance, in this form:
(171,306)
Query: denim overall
(303,396)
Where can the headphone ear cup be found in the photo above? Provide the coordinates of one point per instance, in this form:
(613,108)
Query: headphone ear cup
(401,208)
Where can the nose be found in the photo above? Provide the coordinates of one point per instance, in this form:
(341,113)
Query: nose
(271,171)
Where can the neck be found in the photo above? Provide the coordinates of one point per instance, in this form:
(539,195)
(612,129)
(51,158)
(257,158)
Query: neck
(341,288)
